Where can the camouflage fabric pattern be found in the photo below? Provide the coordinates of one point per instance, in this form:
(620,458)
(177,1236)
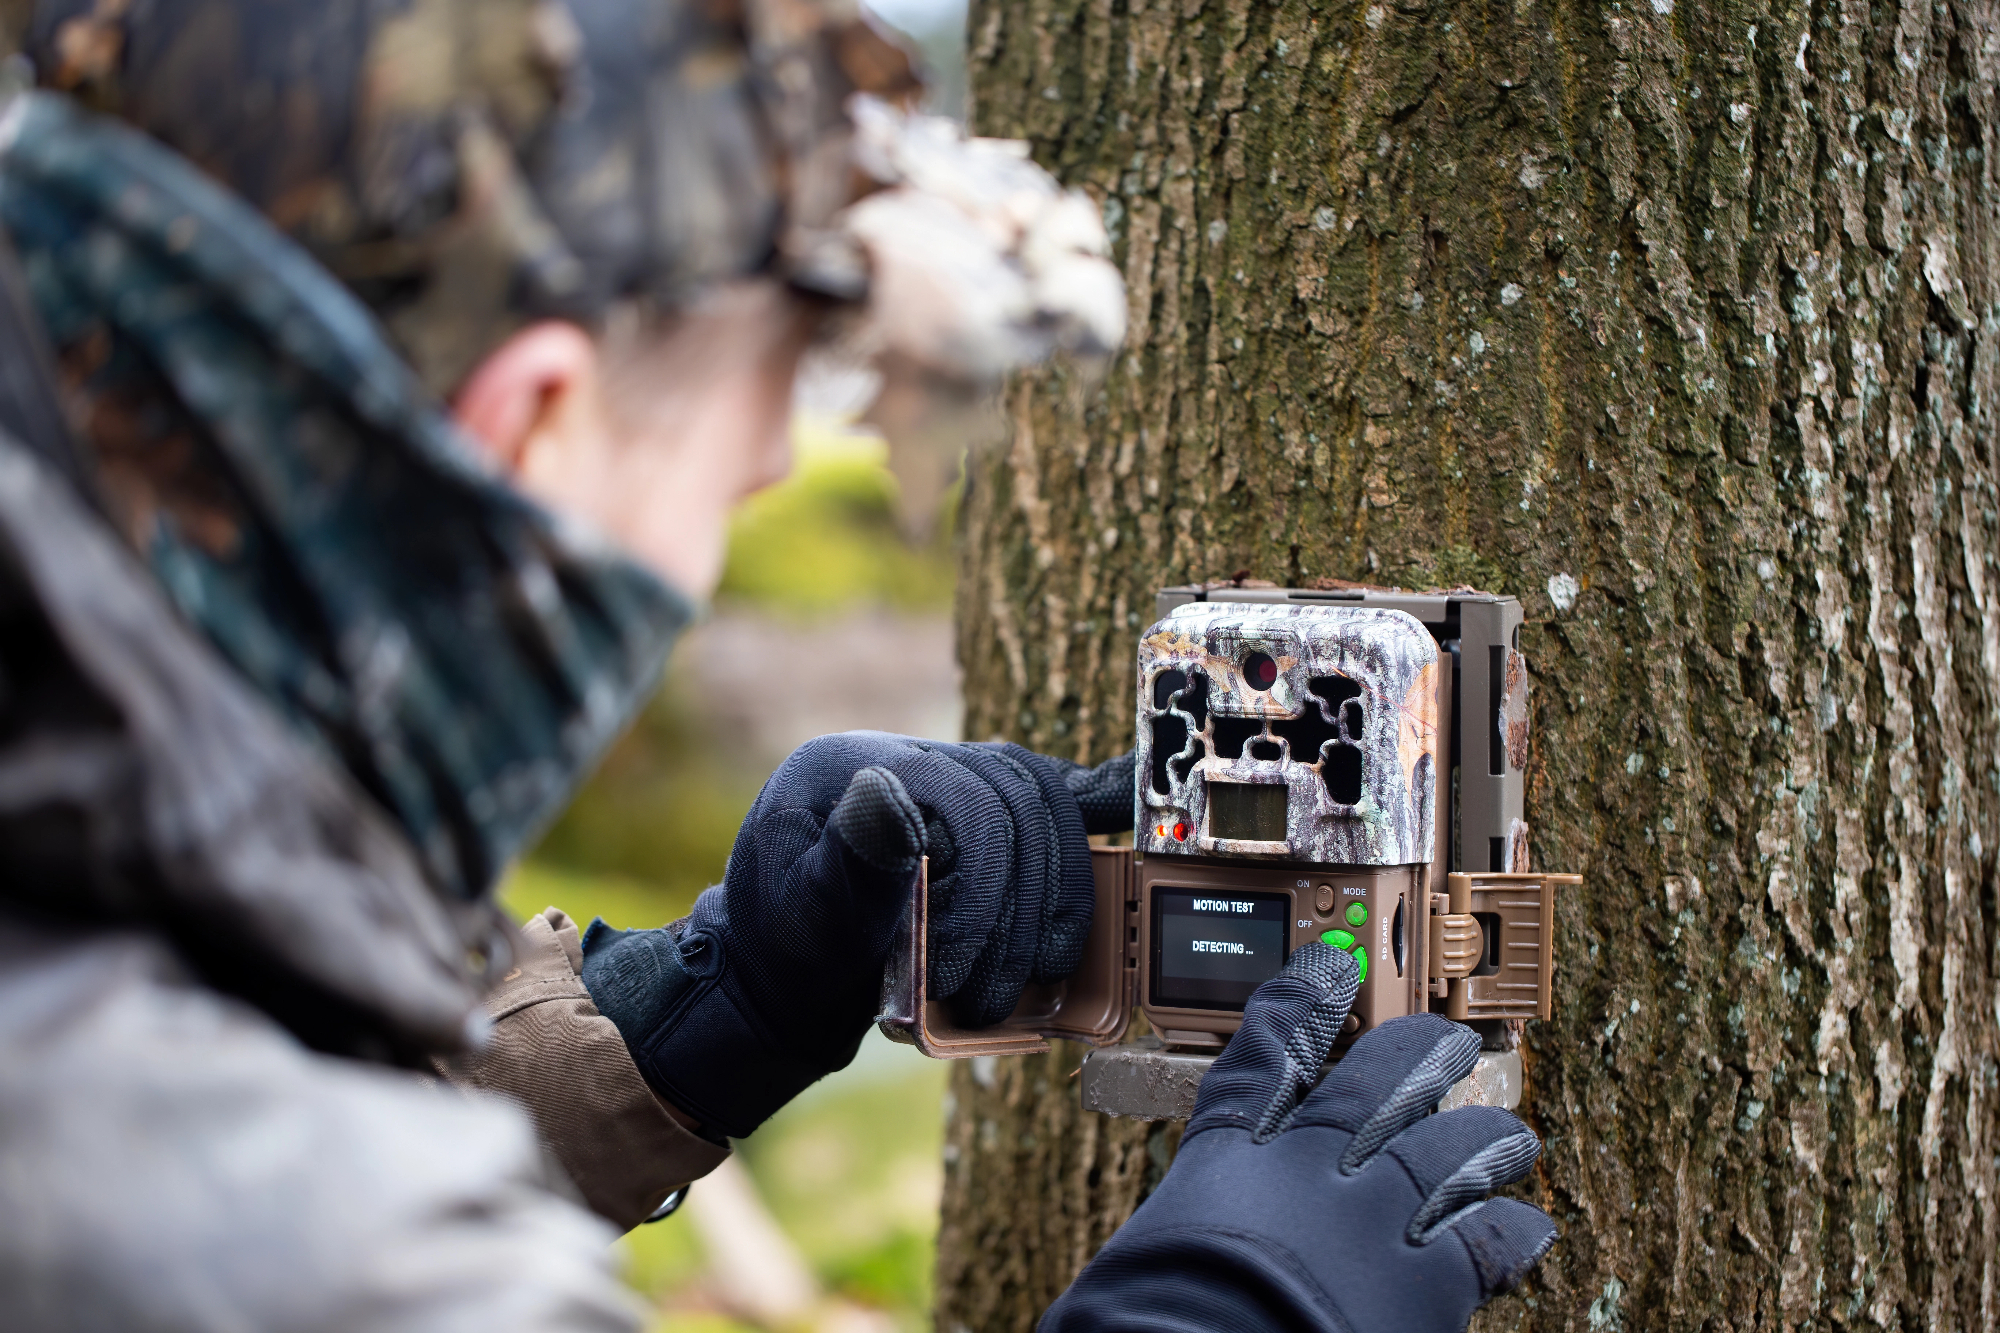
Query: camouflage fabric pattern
(1345,721)
(467,166)
(305,502)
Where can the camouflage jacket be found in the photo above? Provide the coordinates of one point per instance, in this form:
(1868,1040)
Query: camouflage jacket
(286,678)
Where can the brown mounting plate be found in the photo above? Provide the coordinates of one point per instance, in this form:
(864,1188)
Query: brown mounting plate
(1093,1006)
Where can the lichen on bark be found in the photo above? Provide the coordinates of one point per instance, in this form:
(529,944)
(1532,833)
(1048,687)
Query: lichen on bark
(1678,320)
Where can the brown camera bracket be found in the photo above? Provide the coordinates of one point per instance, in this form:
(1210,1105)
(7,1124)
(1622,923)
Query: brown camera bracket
(1094,1006)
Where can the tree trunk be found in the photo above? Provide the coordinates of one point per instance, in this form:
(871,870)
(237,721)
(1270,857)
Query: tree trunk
(1678,321)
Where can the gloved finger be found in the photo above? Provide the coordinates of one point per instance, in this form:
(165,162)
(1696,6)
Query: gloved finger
(965,896)
(816,775)
(968,834)
(1459,1158)
(830,897)
(1392,1077)
(1104,794)
(831,888)
(1000,972)
(1069,891)
(1505,1238)
(879,824)
(1288,1028)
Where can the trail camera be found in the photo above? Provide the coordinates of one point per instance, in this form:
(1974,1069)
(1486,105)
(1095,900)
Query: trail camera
(1343,766)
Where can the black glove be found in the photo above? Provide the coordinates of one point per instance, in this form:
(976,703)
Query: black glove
(1353,1209)
(774,978)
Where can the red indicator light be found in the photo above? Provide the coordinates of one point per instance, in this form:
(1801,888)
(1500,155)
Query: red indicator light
(1180,832)
(1162,830)
(1259,671)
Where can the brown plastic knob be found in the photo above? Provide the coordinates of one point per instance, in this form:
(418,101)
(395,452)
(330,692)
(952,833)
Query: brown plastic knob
(1324,902)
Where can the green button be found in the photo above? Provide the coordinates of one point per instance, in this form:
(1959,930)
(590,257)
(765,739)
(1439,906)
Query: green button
(1339,939)
(1357,914)
(1361,961)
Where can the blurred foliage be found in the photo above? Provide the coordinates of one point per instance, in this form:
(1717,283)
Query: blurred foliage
(652,828)
(851,1168)
(698,1321)
(624,902)
(662,1259)
(826,539)
(663,808)
(852,1171)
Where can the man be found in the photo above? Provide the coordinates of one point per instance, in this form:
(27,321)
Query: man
(297,658)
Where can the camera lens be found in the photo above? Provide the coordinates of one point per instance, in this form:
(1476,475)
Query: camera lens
(1260,671)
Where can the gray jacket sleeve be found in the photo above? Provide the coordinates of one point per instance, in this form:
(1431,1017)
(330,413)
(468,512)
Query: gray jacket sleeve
(551,1051)
(172,1160)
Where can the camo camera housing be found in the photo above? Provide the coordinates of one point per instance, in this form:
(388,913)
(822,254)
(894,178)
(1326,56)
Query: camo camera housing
(1286,762)
(1340,765)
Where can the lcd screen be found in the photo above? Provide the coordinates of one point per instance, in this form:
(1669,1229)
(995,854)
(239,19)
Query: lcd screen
(1253,812)
(1211,949)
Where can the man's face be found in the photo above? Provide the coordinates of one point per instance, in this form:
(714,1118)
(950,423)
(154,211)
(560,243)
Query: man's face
(651,435)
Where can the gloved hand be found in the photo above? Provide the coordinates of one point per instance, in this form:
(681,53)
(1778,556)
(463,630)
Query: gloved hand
(1346,1207)
(774,978)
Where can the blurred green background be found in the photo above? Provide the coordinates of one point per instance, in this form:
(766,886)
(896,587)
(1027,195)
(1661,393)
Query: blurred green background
(827,619)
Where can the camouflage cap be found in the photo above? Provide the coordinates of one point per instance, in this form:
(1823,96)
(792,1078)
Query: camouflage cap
(467,166)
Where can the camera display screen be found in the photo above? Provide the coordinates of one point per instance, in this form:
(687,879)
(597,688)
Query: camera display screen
(1212,948)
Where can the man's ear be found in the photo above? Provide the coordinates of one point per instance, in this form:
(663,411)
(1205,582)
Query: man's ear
(530,390)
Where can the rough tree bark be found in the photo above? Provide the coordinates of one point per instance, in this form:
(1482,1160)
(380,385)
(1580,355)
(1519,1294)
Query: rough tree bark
(1678,319)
